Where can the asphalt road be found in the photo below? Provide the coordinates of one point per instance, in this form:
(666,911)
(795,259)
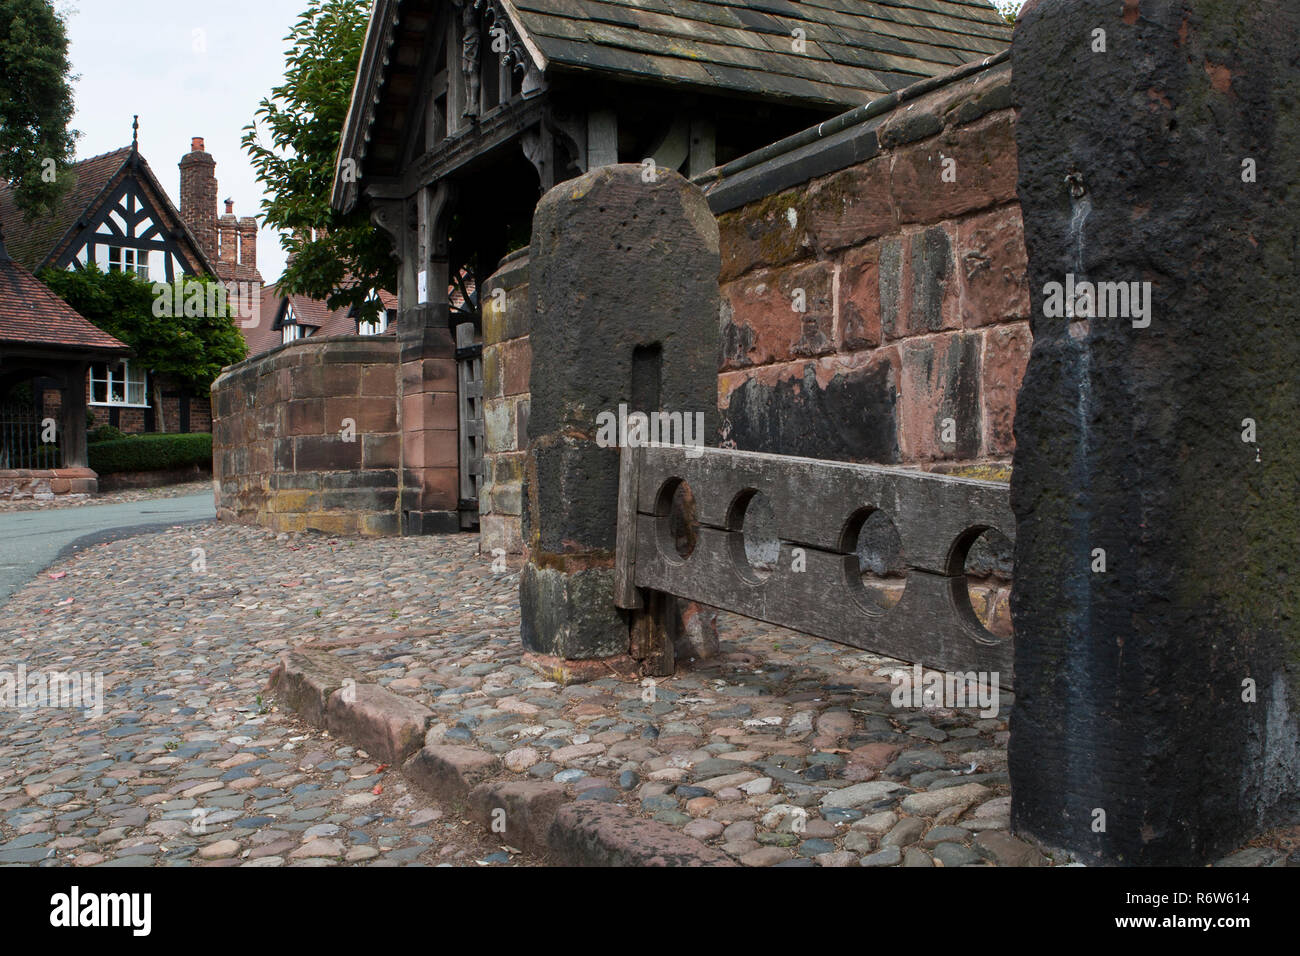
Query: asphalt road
(30,541)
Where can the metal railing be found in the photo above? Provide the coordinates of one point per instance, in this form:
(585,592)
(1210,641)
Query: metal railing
(23,438)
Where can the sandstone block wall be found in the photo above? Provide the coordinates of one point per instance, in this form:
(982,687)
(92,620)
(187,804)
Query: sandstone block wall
(914,334)
(909,265)
(507,365)
(22,484)
(307,437)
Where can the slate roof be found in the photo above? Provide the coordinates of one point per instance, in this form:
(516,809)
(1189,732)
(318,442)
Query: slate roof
(35,243)
(30,314)
(854,50)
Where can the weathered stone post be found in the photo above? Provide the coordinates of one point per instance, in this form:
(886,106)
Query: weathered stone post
(1156,600)
(624,301)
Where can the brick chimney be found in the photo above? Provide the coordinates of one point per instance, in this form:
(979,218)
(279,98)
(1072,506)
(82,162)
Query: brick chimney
(248,243)
(228,241)
(199,196)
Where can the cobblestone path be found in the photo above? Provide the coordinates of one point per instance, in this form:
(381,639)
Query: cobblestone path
(783,750)
(188,765)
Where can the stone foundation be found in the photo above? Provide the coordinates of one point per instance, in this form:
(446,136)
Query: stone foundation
(20,484)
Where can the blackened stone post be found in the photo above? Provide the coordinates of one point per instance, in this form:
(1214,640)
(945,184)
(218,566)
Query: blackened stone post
(1157,601)
(624,302)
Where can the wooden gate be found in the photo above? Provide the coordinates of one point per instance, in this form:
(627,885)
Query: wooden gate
(814,585)
(469,376)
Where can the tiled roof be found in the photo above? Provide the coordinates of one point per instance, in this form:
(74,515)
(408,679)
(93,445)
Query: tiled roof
(264,336)
(309,312)
(319,316)
(30,314)
(853,50)
(33,242)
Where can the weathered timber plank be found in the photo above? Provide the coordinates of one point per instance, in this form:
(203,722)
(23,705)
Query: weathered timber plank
(930,625)
(625,593)
(652,639)
(812,500)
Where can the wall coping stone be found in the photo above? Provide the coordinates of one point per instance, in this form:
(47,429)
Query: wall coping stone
(837,143)
(386,342)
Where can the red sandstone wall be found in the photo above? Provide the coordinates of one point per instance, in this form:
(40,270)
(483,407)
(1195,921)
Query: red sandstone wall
(281,458)
(916,294)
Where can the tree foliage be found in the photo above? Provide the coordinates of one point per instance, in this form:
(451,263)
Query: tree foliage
(1010,9)
(35,104)
(193,348)
(304,119)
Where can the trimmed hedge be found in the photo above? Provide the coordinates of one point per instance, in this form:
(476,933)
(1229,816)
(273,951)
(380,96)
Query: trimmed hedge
(150,453)
(105,433)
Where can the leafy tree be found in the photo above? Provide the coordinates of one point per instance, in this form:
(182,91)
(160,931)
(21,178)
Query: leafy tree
(35,104)
(191,345)
(304,117)
(1010,9)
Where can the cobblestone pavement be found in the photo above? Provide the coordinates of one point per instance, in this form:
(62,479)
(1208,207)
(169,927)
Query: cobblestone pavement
(784,750)
(107,498)
(188,765)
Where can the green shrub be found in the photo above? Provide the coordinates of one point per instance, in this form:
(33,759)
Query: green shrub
(105,433)
(150,453)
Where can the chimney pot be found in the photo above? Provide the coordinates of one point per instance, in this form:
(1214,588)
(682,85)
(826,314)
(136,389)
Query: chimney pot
(196,144)
(230,207)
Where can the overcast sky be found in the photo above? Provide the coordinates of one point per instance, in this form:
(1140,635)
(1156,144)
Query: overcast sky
(144,56)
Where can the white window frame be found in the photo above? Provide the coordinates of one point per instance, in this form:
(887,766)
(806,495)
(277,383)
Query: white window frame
(376,326)
(292,332)
(134,260)
(121,382)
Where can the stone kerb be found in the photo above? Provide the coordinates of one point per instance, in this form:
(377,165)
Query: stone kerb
(628,322)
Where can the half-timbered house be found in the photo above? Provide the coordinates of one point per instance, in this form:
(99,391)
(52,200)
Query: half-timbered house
(117,216)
